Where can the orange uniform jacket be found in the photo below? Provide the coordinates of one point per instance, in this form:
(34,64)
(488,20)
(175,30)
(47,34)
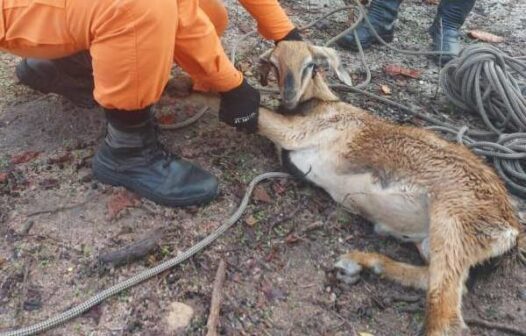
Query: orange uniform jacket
(133,43)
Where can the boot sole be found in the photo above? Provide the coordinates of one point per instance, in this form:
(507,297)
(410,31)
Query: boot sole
(110,179)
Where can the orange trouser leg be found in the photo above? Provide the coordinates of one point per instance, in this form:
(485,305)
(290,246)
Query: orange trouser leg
(31,29)
(216,12)
(130,41)
(273,22)
(199,52)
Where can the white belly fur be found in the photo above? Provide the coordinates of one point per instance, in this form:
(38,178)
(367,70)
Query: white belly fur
(398,210)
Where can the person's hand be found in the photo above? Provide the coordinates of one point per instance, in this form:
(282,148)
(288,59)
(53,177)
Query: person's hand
(293,35)
(240,107)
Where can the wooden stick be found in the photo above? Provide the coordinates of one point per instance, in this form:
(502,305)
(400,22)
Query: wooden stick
(213,318)
(134,251)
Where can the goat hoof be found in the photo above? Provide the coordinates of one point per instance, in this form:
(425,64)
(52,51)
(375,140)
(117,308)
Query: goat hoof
(348,271)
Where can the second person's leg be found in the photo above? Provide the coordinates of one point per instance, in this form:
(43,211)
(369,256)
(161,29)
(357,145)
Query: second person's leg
(382,14)
(445,30)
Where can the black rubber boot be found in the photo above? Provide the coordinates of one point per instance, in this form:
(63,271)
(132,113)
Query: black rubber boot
(444,31)
(132,156)
(382,14)
(70,77)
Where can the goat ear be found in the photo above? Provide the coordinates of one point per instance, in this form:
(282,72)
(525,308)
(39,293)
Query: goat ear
(265,66)
(331,56)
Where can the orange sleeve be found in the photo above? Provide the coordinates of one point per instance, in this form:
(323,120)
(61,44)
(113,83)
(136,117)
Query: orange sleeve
(199,52)
(273,22)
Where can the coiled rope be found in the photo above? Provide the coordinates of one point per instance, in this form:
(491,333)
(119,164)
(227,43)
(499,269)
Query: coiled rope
(483,79)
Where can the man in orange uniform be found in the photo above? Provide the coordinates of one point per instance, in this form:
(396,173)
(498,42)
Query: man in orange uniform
(132,45)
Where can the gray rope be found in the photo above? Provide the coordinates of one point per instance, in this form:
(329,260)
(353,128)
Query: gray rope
(484,79)
(146,274)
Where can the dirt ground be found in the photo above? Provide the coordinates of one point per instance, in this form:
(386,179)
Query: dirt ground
(55,219)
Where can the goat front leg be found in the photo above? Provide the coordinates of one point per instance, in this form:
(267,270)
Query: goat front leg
(350,265)
(295,132)
(288,132)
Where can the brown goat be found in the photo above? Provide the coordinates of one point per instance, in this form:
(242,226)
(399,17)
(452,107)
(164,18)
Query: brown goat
(409,182)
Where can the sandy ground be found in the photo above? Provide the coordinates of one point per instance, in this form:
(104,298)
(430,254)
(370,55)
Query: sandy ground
(279,279)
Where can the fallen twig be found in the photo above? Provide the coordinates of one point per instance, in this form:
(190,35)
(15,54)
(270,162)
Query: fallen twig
(406,298)
(25,280)
(213,318)
(134,251)
(59,209)
(496,326)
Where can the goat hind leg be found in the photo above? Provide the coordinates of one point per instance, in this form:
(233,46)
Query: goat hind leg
(444,298)
(448,270)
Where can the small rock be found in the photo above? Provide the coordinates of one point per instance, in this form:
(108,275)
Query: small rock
(332,297)
(522,294)
(179,317)
(386,90)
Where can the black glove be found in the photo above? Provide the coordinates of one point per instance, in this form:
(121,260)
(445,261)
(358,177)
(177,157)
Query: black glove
(240,107)
(293,35)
